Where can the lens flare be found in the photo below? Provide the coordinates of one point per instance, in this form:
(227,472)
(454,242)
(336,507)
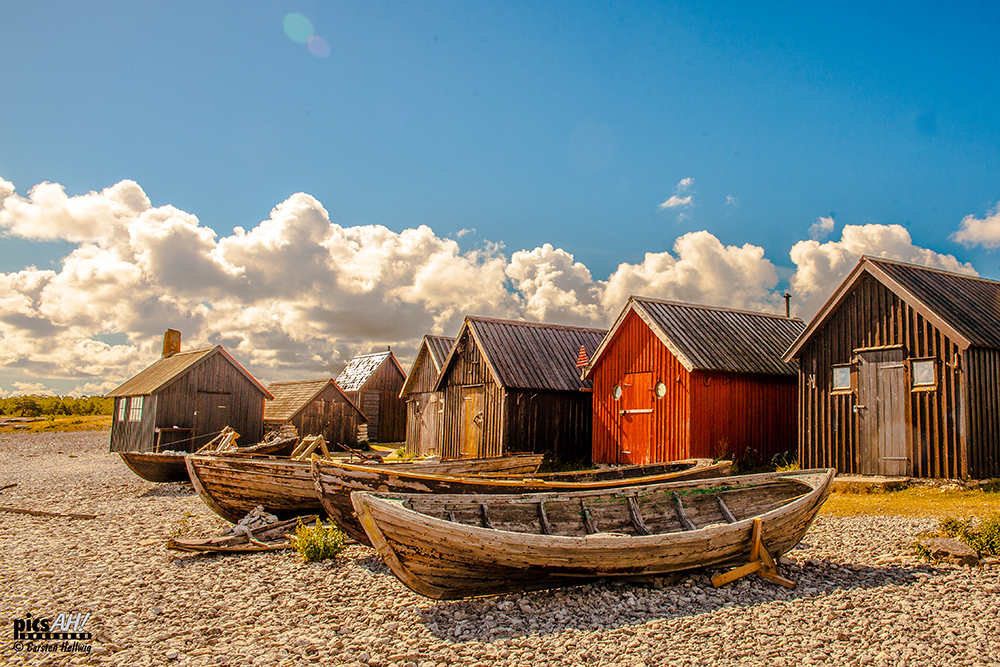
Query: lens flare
(298,28)
(318,46)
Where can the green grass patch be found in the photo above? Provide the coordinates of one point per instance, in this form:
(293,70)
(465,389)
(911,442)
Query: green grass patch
(319,542)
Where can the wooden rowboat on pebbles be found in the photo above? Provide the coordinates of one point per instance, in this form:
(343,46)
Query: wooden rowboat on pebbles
(455,546)
(233,484)
(335,480)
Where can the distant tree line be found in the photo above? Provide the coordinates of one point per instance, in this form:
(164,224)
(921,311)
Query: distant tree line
(40,406)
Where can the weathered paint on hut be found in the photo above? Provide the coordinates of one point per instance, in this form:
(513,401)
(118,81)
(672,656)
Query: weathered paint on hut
(424,406)
(677,380)
(373,383)
(314,407)
(513,386)
(900,375)
(185,399)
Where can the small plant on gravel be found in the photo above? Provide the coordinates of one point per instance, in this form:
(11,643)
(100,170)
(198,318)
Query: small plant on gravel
(983,538)
(922,552)
(319,542)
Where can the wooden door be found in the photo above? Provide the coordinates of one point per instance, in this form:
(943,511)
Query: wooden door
(472,422)
(636,418)
(429,418)
(212,415)
(881,409)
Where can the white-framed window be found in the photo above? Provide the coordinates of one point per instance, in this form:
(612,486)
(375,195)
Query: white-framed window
(616,392)
(922,373)
(122,403)
(660,389)
(135,409)
(841,378)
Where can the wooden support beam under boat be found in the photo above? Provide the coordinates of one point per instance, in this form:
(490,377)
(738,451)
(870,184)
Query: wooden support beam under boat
(633,510)
(761,563)
(681,515)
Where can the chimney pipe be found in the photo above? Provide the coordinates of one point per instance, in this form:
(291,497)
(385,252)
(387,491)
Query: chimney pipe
(171,342)
(788,304)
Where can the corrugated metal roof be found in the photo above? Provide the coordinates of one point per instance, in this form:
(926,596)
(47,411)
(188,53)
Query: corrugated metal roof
(359,370)
(162,372)
(971,305)
(720,339)
(290,397)
(532,355)
(439,347)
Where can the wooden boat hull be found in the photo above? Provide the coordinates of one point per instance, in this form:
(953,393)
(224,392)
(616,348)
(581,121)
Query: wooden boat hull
(154,467)
(233,484)
(336,481)
(445,559)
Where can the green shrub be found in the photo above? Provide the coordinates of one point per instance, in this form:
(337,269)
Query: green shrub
(984,539)
(319,542)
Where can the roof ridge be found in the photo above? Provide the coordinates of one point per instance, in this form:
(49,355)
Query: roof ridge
(922,267)
(723,309)
(546,325)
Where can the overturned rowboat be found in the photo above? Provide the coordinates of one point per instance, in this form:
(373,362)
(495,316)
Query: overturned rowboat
(455,546)
(336,480)
(233,484)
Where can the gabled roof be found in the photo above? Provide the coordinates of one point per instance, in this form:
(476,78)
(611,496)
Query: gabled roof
(710,338)
(965,308)
(291,397)
(166,370)
(360,369)
(433,348)
(529,355)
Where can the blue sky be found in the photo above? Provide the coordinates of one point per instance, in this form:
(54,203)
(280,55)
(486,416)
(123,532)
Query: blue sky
(521,124)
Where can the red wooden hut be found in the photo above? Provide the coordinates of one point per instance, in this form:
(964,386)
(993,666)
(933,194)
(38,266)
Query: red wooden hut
(676,380)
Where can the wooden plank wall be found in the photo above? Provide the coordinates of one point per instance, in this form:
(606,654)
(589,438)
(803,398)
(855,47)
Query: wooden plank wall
(418,443)
(387,381)
(557,423)
(983,377)
(872,316)
(635,349)
(736,413)
(470,369)
(129,436)
(331,415)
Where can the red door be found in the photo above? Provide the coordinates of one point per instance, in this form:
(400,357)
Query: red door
(636,415)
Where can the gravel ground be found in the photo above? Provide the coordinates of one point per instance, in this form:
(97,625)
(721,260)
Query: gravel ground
(861,599)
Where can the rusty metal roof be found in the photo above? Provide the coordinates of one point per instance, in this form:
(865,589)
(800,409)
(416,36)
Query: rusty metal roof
(532,355)
(167,369)
(965,308)
(290,397)
(715,339)
(360,369)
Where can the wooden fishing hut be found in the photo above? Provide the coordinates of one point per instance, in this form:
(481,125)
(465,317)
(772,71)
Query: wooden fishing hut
(900,375)
(185,399)
(511,386)
(314,407)
(424,405)
(676,380)
(373,382)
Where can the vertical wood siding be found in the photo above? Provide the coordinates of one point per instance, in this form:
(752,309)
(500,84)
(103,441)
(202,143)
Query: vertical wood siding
(469,368)
(983,384)
(422,378)
(391,419)
(557,423)
(829,433)
(329,414)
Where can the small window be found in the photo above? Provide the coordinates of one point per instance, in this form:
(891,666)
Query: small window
(135,409)
(616,393)
(922,373)
(121,409)
(661,390)
(841,378)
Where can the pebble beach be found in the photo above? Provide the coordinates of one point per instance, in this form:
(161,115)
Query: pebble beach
(862,597)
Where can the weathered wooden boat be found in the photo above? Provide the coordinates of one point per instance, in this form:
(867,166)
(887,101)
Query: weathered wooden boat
(455,546)
(232,484)
(157,466)
(335,480)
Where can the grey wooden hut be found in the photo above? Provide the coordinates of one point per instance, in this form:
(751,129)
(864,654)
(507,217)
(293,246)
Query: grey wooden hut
(373,383)
(424,405)
(314,407)
(185,399)
(512,386)
(899,375)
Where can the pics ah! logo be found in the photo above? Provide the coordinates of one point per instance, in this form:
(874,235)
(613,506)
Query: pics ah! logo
(65,626)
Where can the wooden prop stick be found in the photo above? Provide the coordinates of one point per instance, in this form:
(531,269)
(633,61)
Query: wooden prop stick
(8,486)
(761,563)
(18,510)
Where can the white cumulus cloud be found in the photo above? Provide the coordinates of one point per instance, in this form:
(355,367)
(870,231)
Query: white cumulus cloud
(985,232)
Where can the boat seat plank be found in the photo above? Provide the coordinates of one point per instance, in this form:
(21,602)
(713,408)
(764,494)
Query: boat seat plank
(725,510)
(588,518)
(681,516)
(633,510)
(543,517)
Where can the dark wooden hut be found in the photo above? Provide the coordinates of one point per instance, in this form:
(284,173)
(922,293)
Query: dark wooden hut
(314,407)
(424,405)
(185,399)
(512,386)
(900,375)
(373,382)
(676,380)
